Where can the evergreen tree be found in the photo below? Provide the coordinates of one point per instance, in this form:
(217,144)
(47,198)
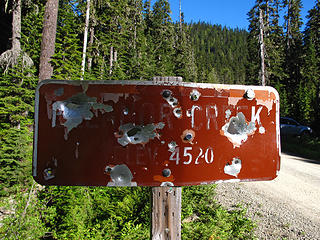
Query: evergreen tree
(161,37)
(253,65)
(184,59)
(222,49)
(311,69)
(293,55)
(66,61)
(136,47)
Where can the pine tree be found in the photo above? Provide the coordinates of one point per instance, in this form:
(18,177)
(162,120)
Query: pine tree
(66,61)
(264,29)
(311,69)
(184,59)
(293,55)
(162,38)
(135,49)
(253,65)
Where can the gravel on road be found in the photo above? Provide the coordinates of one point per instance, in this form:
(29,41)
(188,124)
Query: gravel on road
(285,208)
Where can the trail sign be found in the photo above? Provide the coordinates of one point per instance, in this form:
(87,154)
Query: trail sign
(133,133)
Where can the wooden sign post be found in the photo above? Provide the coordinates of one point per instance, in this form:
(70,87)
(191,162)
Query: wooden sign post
(166,213)
(166,202)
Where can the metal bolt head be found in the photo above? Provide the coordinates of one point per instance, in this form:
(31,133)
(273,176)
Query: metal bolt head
(166,93)
(249,94)
(188,136)
(195,95)
(166,172)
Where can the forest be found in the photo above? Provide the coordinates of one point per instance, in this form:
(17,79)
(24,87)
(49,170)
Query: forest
(134,40)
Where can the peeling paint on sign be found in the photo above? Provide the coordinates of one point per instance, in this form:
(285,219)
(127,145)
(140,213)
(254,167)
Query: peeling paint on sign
(234,168)
(137,134)
(172,146)
(120,175)
(267,103)
(172,101)
(228,113)
(76,109)
(237,129)
(177,112)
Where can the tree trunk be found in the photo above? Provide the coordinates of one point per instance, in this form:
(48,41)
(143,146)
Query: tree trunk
(111,60)
(267,17)
(85,40)
(115,55)
(48,39)
(289,25)
(16,26)
(90,46)
(11,57)
(263,79)
(180,16)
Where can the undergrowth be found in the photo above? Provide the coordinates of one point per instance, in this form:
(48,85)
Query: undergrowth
(114,213)
(307,148)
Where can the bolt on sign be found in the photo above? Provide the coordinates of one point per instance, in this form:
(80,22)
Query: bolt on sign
(134,133)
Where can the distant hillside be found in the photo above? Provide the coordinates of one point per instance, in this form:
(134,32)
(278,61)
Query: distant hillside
(220,53)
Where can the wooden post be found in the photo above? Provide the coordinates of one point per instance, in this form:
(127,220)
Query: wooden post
(166,202)
(166,213)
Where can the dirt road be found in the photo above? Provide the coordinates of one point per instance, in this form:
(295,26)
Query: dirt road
(286,208)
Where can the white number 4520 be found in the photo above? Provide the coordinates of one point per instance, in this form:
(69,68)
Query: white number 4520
(208,155)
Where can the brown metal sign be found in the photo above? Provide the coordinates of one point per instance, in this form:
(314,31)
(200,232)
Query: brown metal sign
(132,133)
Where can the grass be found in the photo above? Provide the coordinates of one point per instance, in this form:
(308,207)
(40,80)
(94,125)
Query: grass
(307,148)
(212,221)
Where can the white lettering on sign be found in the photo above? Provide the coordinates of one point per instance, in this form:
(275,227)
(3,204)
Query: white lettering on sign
(212,113)
(194,107)
(165,115)
(255,116)
(208,156)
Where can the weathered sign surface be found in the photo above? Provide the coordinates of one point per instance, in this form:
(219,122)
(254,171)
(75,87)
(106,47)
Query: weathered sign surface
(132,133)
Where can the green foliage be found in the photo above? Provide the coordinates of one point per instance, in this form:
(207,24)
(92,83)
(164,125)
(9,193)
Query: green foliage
(25,215)
(98,213)
(67,58)
(16,113)
(212,221)
(307,147)
(311,67)
(31,28)
(219,48)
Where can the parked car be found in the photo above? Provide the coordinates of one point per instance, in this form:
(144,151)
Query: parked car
(290,127)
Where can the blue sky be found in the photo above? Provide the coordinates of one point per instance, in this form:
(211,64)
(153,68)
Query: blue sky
(231,13)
